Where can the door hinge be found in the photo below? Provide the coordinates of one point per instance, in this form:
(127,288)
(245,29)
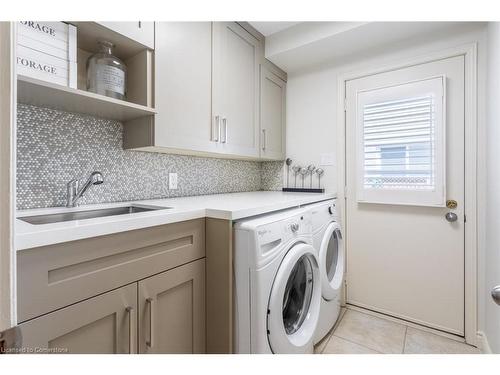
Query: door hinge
(465,218)
(345,104)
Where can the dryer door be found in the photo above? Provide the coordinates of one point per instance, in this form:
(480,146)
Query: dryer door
(331,261)
(294,302)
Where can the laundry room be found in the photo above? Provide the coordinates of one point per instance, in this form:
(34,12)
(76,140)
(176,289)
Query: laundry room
(312,180)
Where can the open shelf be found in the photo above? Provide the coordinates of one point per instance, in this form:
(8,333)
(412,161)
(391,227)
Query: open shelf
(45,94)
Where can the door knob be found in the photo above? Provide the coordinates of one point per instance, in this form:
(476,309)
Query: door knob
(495,294)
(451,217)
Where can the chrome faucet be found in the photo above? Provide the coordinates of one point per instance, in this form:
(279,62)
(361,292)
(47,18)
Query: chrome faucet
(74,193)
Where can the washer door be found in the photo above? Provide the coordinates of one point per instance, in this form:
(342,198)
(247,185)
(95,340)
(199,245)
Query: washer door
(331,261)
(294,302)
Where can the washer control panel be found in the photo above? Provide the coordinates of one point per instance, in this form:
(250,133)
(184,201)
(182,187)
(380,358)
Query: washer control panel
(285,229)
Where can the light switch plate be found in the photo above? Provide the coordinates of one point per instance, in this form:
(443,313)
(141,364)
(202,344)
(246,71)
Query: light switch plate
(172,181)
(327,159)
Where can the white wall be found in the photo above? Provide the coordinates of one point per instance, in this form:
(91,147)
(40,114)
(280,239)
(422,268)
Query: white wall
(492,253)
(312,117)
(311,110)
(312,98)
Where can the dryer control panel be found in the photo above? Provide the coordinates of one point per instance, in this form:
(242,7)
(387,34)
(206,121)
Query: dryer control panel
(324,212)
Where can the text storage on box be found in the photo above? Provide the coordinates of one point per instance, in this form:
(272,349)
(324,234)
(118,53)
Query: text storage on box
(47,51)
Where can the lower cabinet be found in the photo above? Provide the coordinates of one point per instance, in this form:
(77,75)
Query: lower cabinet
(104,324)
(164,313)
(172,310)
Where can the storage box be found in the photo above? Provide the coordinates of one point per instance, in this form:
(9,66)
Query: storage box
(47,51)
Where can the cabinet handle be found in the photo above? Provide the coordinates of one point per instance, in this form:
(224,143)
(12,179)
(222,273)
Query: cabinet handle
(149,301)
(130,310)
(224,122)
(216,129)
(263,139)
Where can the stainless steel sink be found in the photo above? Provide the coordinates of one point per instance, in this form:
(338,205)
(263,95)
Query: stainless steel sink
(82,215)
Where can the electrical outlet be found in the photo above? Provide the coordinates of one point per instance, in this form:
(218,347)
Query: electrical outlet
(172,181)
(327,159)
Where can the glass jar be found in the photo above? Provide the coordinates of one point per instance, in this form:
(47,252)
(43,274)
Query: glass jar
(106,74)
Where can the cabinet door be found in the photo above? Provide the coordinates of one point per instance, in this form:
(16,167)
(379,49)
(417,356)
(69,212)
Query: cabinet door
(142,32)
(183,86)
(236,88)
(172,311)
(272,115)
(105,324)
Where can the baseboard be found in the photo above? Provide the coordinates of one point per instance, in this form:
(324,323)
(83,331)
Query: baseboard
(482,343)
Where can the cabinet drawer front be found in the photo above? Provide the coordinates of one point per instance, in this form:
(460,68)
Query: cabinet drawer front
(105,324)
(55,276)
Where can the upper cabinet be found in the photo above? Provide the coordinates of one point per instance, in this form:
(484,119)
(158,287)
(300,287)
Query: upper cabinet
(272,114)
(208,94)
(142,32)
(195,88)
(183,87)
(235,105)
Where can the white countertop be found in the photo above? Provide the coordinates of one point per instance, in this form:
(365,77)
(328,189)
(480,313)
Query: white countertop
(231,206)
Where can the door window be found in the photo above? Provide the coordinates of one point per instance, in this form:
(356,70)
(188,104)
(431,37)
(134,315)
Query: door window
(298,294)
(400,141)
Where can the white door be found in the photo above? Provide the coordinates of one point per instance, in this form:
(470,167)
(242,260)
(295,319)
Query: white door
(404,163)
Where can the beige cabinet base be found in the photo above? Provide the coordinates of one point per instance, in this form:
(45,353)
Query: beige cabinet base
(105,324)
(55,276)
(172,311)
(178,295)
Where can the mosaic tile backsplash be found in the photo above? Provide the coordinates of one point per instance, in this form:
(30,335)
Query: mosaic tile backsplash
(54,147)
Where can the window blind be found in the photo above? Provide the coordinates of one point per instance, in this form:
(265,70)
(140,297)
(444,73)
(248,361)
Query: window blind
(399,144)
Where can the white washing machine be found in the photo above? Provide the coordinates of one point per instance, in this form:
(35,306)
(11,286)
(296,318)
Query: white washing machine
(277,284)
(327,240)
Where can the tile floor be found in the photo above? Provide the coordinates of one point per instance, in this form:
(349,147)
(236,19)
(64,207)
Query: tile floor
(360,333)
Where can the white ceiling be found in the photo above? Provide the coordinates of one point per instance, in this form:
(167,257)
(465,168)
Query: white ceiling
(267,28)
(309,45)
